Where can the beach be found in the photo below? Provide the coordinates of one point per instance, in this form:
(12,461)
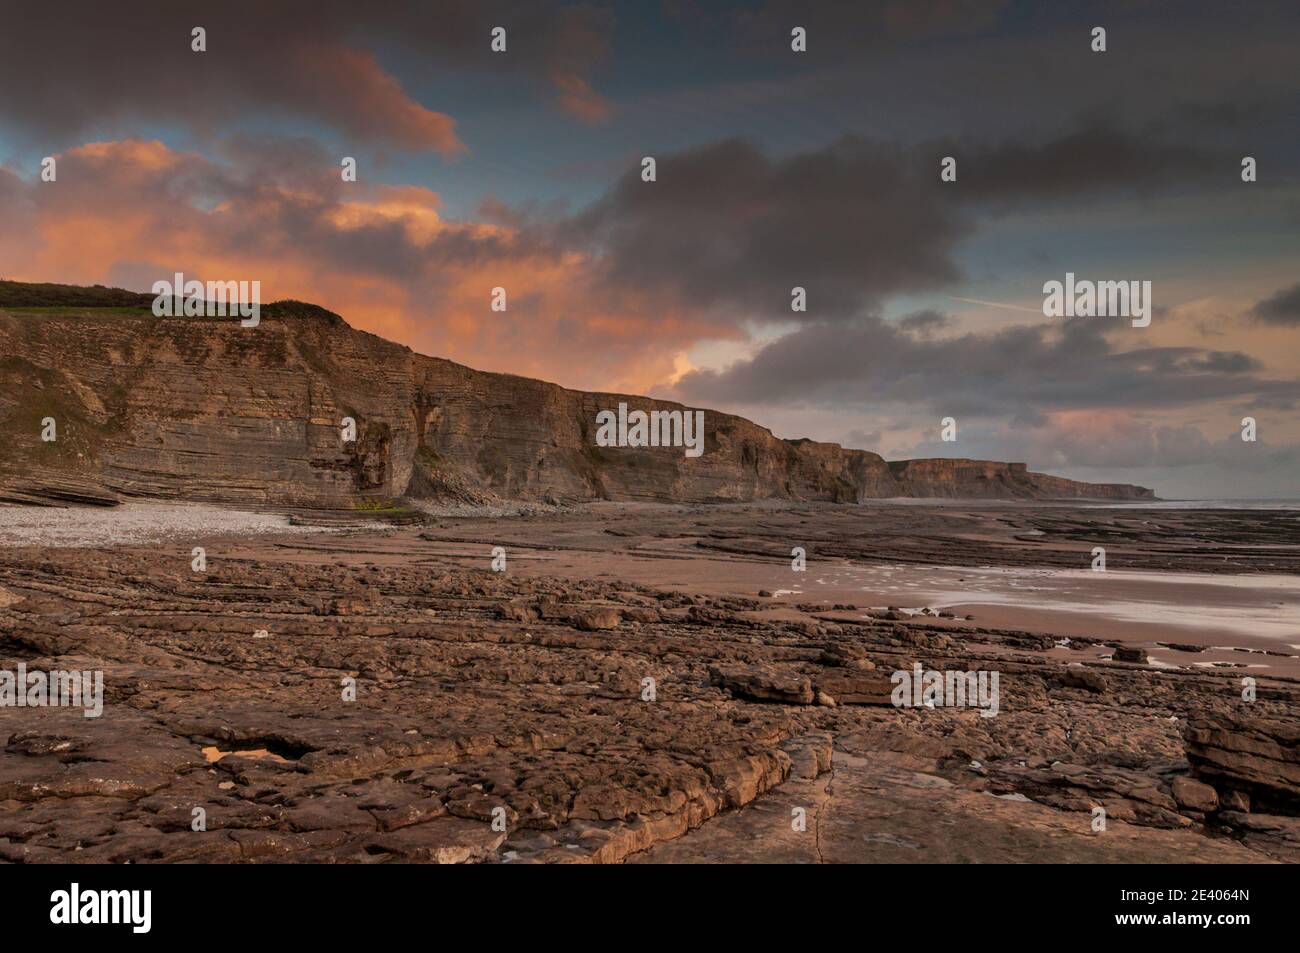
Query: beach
(652,682)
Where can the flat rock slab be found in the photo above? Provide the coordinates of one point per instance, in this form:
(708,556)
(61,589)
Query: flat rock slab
(385,697)
(880,810)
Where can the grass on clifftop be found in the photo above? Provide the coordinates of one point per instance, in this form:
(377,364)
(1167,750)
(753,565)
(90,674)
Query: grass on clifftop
(22,294)
(50,298)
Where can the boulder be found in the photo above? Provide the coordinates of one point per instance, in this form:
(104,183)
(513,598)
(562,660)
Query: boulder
(595,618)
(856,687)
(1195,795)
(1076,676)
(764,685)
(1256,755)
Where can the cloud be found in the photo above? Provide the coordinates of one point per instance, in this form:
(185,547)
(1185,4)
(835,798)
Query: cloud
(133,211)
(1018,371)
(1095,156)
(85,67)
(984,65)
(1112,439)
(861,440)
(1282,308)
(727,228)
(651,280)
(705,253)
(844,29)
(731,230)
(924,323)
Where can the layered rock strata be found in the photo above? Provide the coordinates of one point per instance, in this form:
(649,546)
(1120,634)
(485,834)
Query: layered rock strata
(205,409)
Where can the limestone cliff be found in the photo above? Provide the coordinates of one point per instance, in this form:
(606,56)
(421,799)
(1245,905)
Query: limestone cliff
(204,409)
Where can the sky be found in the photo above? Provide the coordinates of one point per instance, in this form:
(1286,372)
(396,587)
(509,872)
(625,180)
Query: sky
(774,169)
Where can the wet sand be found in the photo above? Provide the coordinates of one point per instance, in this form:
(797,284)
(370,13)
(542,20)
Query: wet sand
(1248,620)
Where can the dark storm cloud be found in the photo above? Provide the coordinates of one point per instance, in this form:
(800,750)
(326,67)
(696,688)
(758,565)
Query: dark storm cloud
(727,226)
(843,29)
(1095,156)
(1204,75)
(1012,372)
(1282,308)
(76,68)
(924,323)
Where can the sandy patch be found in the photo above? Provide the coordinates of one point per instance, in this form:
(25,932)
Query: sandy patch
(135,523)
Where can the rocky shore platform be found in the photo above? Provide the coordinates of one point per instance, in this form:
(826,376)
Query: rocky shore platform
(636,684)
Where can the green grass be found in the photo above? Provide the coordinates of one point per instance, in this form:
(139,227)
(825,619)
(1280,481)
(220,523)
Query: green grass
(377,505)
(32,295)
(79,309)
(50,298)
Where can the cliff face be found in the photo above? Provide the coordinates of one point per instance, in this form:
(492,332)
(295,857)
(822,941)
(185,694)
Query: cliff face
(204,409)
(985,479)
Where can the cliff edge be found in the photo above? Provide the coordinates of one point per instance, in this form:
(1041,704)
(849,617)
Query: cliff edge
(198,408)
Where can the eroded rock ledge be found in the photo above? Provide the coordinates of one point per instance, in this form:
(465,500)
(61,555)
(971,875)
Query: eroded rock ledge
(482,697)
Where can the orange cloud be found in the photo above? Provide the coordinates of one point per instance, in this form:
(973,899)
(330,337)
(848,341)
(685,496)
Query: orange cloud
(312,61)
(131,212)
(370,102)
(578,99)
